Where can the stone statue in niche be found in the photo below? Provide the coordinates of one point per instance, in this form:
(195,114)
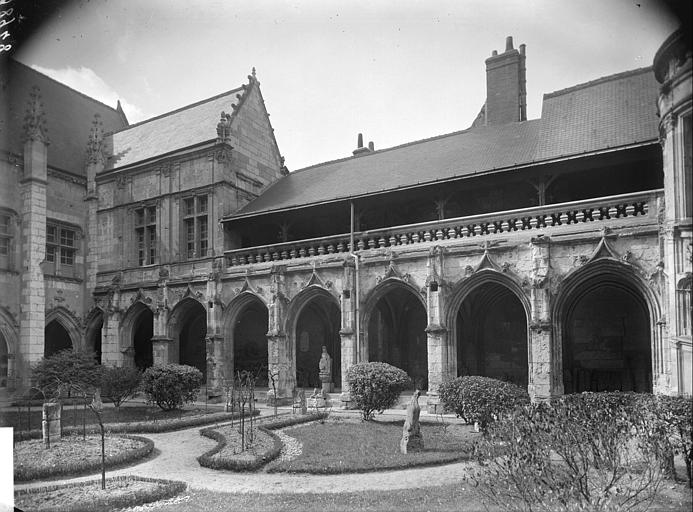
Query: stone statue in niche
(325,367)
(412,439)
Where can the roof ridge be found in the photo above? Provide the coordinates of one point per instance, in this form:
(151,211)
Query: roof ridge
(406,144)
(64,85)
(597,81)
(180,109)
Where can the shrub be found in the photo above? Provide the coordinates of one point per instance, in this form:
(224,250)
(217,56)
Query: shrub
(676,416)
(590,451)
(120,383)
(68,370)
(171,385)
(481,399)
(376,386)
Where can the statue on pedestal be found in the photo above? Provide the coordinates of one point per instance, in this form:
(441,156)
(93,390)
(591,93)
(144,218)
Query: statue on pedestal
(325,366)
(412,439)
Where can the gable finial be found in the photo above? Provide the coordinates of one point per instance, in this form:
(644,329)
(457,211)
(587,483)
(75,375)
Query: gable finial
(35,118)
(95,143)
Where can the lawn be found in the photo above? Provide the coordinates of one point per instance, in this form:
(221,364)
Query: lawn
(73,416)
(73,455)
(351,445)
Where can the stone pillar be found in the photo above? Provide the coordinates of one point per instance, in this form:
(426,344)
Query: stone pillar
(215,365)
(545,355)
(347,332)
(281,359)
(33,192)
(111,353)
(51,422)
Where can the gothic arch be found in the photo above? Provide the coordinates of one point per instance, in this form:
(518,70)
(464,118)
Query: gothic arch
(92,331)
(621,276)
(394,324)
(235,353)
(187,328)
(316,310)
(69,322)
(8,337)
(130,327)
(477,286)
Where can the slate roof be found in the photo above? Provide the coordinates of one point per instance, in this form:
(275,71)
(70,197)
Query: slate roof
(610,112)
(69,116)
(169,132)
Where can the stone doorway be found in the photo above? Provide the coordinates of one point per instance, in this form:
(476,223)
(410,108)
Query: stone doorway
(492,335)
(397,333)
(606,339)
(57,338)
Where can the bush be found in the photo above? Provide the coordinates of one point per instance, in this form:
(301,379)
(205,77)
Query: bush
(481,399)
(590,451)
(120,383)
(66,371)
(676,416)
(376,386)
(171,385)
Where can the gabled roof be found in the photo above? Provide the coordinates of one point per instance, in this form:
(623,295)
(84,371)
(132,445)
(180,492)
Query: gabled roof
(179,129)
(611,112)
(69,116)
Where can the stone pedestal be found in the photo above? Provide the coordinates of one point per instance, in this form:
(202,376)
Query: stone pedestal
(51,422)
(328,387)
(412,440)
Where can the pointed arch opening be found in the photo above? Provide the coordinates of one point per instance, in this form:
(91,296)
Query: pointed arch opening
(4,361)
(396,330)
(93,334)
(491,334)
(605,325)
(137,333)
(56,338)
(188,330)
(248,339)
(314,321)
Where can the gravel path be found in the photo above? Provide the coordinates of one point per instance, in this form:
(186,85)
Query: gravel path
(176,459)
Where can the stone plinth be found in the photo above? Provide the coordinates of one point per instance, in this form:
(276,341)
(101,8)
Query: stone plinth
(412,439)
(51,422)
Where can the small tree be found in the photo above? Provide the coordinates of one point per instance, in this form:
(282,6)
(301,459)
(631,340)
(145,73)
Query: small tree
(120,383)
(66,371)
(376,386)
(171,385)
(96,407)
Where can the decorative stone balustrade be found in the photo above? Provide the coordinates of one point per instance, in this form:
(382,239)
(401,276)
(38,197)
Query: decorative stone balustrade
(539,217)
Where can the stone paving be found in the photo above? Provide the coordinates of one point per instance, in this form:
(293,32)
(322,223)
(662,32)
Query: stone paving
(176,453)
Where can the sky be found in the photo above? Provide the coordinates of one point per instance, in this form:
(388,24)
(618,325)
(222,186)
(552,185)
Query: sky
(396,71)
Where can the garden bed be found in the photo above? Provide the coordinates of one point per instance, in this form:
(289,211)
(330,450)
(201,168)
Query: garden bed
(88,496)
(354,446)
(151,420)
(73,455)
(266,446)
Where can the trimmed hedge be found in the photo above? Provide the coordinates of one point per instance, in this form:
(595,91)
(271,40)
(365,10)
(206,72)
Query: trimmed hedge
(145,427)
(208,460)
(376,386)
(168,489)
(481,399)
(79,467)
(171,385)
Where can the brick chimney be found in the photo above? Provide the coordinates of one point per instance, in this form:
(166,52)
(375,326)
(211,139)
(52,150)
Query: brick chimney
(506,94)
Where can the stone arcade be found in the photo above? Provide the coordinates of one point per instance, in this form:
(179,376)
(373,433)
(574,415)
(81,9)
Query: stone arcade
(553,252)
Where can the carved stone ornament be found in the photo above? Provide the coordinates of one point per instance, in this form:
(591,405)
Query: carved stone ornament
(35,118)
(224,127)
(95,144)
(140,296)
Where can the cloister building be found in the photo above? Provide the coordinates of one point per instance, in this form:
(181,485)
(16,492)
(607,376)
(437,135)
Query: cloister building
(554,252)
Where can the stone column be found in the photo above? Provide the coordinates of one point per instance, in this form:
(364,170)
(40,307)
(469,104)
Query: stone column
(280,357)
(111,351)
(33,192)
(436,332)
(545,356)
(347,332)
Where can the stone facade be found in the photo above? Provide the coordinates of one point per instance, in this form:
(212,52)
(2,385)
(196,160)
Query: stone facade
(177,241)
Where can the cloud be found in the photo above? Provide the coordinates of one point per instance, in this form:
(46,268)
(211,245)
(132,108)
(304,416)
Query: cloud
(87,82)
